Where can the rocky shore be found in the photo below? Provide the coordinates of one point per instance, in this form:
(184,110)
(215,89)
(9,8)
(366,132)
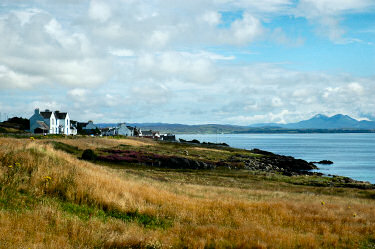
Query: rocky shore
(271,162)
(259,160)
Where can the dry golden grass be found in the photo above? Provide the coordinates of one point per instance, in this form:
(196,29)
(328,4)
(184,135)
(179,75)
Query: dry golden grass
(209,149)
(201,216)
(104,142)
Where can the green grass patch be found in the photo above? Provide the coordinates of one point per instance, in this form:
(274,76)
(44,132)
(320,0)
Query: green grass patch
(11,199)
(83,212)
(86,212)
(146,220)
(369,244)
(66,148)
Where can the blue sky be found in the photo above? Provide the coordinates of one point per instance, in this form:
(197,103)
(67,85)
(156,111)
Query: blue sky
(220,61)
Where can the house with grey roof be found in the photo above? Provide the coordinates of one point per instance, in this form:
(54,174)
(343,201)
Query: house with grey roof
(123,130)
(120,130)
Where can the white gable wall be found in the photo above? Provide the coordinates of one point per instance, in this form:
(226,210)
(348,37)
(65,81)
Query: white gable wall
(64,125)
(51,122)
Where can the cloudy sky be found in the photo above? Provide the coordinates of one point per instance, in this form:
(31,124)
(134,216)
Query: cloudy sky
(198,61)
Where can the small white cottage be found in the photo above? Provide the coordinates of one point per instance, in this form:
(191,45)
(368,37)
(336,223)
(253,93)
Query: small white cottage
(62,122)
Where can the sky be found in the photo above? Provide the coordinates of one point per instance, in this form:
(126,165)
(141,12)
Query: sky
(193,62)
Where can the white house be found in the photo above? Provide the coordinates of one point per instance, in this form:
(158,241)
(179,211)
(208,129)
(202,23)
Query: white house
(49,122)
(62,123)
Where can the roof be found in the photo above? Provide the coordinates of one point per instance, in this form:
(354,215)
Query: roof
(60,115)
(147,133)
(42,125)
(46,114)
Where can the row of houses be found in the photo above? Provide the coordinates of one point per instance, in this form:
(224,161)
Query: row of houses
(56,122)
(125,130)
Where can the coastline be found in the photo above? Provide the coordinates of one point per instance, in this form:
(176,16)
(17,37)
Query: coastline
(351,153)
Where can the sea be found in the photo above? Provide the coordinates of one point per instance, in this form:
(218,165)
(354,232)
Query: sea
(353,154)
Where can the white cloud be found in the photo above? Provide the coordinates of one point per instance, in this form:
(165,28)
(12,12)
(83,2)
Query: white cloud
(158,38)
(175,60)
(175,65)
(356,88)
(122,52)
(260,118)
(25,15)
(151,95)
(78,94)
(327,15)
(41,51)
(213,18)
(99,11)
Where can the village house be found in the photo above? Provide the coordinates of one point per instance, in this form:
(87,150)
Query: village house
(89,128)
(49,122)
(135,131)
(168,137)
(123,130)
(73,130)
(150,134)
(120,130)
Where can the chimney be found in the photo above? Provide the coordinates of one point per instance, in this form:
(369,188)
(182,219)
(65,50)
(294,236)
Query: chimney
(37,111)
(46,110)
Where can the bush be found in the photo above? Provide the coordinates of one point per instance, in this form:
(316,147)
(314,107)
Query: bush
(88,155)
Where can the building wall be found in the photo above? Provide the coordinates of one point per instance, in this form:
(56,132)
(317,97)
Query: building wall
(33,119)
(51,122)
(73,132)
(48,122)
(124,131)
(65,123)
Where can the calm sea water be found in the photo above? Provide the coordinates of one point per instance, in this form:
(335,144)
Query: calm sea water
(353,154)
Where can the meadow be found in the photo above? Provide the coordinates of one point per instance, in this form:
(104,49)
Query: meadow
(50,198)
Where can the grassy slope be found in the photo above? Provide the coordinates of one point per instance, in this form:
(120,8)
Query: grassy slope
(50,199)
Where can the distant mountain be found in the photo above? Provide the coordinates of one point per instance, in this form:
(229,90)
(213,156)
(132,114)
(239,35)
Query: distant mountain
(338,121)
(319,123)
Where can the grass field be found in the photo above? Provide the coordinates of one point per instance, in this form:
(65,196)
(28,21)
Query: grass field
(51,199)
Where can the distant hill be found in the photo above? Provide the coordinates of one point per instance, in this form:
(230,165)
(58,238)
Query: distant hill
(318,124)
(321,121)
(182,128)
(14,125)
